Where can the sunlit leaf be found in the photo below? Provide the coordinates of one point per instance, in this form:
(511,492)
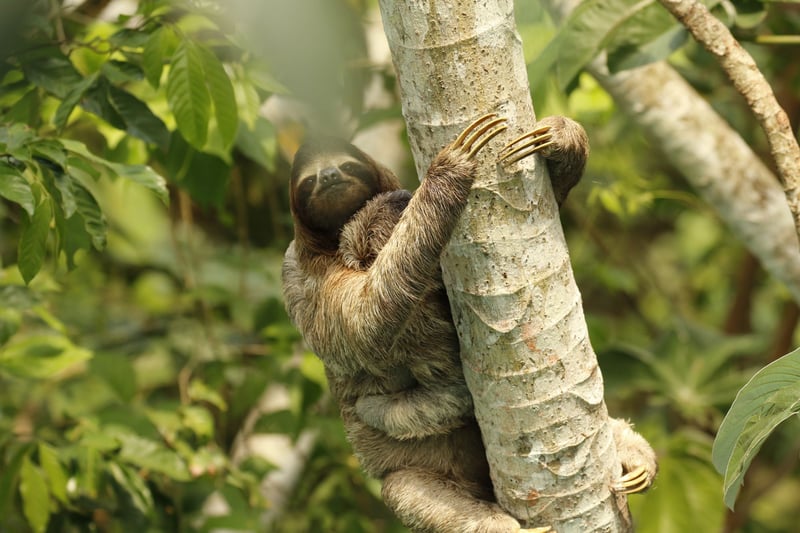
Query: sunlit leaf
(221,91)
(200,392)
(54,472)
(152,455)
(33,240)
(770,397)
(35,496)
(188,95)
(145,176)
(121,72)
(51,153)
(40,356)
(14,187)
(153,55)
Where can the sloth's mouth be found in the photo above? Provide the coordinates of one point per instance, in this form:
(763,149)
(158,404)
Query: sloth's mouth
(331,185)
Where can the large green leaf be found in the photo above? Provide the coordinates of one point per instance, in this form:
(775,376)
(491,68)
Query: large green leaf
(141,174)
(96,101)
(51,70)
(583,35)
(771,396)
(188,95)
(33,240)
(155,50)
(139,120)
(35,496)
(14,187)
(221,91)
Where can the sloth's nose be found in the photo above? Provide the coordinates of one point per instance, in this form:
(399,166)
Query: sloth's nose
(329,175)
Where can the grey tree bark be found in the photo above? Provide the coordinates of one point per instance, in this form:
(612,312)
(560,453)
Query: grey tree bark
(526,353)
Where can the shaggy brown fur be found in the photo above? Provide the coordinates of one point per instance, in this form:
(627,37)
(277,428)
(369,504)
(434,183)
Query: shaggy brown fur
(369,300)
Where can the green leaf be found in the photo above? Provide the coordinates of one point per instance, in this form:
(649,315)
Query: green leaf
(71,100)
(10,321)
(188,95)
(64,185)
(93,218)
(9,475)
(143,175)
(221,91)
(637,55)
(35,497)
(200,392)
(771,396)
(96,101)
(582,36)
(259,144)
(134,486)
(204,176)
(159,45)
(33,240)
(121,72)
(51,70)
(14,187)
(41,356)
(140,121)
(72,236)
(147,453)
(56,477)
(51,153)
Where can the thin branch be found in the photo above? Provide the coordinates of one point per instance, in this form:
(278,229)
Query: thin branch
(750,82)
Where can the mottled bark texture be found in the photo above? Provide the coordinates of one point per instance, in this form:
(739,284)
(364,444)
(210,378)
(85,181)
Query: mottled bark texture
(527,358)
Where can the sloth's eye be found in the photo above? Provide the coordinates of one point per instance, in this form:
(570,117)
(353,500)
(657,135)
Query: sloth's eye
(308,182)
(351,168)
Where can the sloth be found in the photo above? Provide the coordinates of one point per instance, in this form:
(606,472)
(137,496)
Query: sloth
(362,283)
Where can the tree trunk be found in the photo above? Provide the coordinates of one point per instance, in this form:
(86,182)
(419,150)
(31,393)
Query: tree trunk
(525,349)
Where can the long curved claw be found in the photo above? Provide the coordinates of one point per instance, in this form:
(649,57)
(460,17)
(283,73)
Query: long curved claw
(637,480)
(469,129)
(476,135)
(484,135)
(526,144)
(545,529)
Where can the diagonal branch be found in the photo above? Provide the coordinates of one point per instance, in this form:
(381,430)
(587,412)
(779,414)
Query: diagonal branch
(750,82)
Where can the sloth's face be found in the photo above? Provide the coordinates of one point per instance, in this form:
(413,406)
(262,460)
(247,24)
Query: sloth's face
(331,188)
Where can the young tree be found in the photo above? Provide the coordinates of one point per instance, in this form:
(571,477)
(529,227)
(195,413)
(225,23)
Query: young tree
(525,348)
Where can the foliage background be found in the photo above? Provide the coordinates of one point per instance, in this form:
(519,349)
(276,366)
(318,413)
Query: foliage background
(149,377)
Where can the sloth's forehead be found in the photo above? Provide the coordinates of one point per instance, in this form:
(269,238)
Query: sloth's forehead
(317,163)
